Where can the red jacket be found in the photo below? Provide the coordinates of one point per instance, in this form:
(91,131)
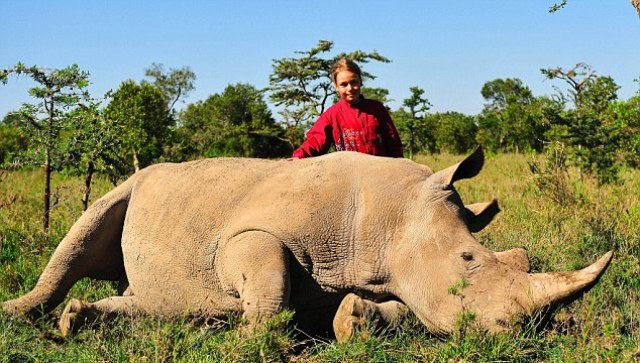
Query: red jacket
(365,127)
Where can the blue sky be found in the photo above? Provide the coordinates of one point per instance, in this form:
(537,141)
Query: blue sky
(448,48)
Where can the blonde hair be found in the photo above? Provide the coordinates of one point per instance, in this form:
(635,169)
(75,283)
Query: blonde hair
(345,64)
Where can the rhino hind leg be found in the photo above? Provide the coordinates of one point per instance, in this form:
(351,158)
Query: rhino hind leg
(78,314)
(256,268)
(90,249)
(356,313)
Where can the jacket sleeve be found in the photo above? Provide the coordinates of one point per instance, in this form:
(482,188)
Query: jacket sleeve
(392,139)
(319,139)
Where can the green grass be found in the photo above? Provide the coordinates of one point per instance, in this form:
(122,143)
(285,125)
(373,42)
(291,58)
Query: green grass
(602,326)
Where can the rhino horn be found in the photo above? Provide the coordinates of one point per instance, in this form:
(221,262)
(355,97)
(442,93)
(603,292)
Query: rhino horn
(550,289)
(467,168)
(479,215)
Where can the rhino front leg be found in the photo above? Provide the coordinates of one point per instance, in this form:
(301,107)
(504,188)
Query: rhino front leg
(255,267)
(354,313)
(78,313)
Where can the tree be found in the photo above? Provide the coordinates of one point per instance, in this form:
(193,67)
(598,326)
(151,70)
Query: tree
(501,93)
(507,122)
(557,6)
(94,146)
(453,132)
(627,117)
(174,84)
(59,90)
(12,142)
(303,85)
(12,119)
(411,122)
(141,112)
(577,78)
(590,133)
(375,93)
(236,122)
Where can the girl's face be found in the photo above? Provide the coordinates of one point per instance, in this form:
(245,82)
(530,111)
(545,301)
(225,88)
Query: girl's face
(348,86)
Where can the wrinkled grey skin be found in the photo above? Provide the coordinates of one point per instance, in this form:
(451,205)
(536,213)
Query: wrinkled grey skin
(219,236)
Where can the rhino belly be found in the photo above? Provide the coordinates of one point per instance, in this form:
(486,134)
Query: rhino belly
(170,263)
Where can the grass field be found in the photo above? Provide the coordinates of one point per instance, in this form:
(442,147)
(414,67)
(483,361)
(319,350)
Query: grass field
(561,231)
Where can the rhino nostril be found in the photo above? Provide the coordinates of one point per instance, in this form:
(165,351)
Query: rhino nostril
(467,256)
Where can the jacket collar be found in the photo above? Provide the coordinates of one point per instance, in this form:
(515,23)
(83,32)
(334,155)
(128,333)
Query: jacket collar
(357,105)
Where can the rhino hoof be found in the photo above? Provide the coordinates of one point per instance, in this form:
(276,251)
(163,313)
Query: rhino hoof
(72,318)
(349,318)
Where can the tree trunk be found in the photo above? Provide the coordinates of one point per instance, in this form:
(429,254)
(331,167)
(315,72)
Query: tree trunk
(87,186)
(136,161)
(47,192)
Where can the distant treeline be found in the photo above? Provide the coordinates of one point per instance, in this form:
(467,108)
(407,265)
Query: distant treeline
(65,128)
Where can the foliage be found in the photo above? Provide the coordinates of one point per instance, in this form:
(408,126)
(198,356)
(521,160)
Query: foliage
(591,134)
(626,115)
(411,123)
(236,122)
(418,130)
(12,119)
(578,79)
(452,132)
(13,141)
(510,120)
(174,84)
(45,123)
(557,6)
(375,93)
(140,112)
(93,146)
(551,175)
(303,85)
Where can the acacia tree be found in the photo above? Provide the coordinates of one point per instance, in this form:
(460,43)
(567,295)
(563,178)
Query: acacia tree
(627,117)
(12,140)
(411,122)
(452,132)
(591,135)
(236,122)
(557,6)
(174,84)
(510,119)
(376,93)
(93,145)
(303,85)
(141,113)
(58,91)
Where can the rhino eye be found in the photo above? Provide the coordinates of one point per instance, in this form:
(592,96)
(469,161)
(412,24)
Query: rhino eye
(467,256)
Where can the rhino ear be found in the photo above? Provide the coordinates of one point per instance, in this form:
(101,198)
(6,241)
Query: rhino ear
(467,168)
(479,215)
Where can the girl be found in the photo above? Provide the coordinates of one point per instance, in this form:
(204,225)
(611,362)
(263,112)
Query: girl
(354,123)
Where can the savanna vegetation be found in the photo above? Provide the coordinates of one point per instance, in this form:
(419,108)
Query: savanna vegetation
(563,166)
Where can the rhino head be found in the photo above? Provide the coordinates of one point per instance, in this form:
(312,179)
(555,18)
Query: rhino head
(441,272)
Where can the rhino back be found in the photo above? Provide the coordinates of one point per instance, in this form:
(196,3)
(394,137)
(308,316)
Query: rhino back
(180,215)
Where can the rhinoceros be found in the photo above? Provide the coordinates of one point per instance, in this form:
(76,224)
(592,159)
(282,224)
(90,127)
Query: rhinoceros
(336,236)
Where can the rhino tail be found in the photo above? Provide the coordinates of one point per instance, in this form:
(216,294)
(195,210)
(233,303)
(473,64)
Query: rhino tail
(91,248)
